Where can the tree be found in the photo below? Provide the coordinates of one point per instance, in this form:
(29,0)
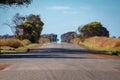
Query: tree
(66,37)
(15,2)
(32,28)
(52,37)
(94,29)
(16,20)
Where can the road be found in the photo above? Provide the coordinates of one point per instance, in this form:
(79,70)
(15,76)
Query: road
(55,61)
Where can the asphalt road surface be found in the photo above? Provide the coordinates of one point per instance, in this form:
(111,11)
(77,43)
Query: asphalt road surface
(59,62)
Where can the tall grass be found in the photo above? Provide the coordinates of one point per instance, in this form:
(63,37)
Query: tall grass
(111,45)
(43,40)
(76,41)
(25,42)
(104,42)
(13,42)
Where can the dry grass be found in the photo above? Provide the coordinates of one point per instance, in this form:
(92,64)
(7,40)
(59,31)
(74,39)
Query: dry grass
(3,66)
(104,42)
(76,41)
(26,42)
(43,40)
(11,42)
(7,48)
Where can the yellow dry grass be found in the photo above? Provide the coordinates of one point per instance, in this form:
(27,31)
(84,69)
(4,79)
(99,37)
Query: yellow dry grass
(43,40)
(76,41)
(104,42)
(25,42)
(11,42)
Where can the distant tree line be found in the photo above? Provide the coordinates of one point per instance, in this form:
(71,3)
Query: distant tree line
(6,36)
(66,37)
(51,37)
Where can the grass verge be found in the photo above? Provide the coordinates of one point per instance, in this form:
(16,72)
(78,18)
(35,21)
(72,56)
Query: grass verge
(22,49)
(107,51)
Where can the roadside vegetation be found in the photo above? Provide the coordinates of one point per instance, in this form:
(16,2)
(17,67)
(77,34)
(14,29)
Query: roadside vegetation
(26,30)
(94,36)
(66,37)
(27,34)
(11,45)
(108,45)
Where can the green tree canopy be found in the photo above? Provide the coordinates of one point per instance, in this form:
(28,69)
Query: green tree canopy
(31,28)
(94,29)
(15,2)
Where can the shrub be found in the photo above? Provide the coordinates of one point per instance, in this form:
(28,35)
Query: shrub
(115,52)
(76,41)
(25,42)
(11,42)
(94,29)
(43,40)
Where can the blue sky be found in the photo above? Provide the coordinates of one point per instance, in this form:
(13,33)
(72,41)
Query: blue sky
(61,16)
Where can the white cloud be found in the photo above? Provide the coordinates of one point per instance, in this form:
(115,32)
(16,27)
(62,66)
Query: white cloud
(58,8)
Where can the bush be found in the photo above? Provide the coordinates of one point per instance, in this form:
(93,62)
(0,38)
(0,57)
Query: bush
(94,29)
(25,42)
(115,52)
(43,40)
(76,41)
(11,42)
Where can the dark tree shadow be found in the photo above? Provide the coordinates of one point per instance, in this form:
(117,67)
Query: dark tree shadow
(49,53)
(59,50)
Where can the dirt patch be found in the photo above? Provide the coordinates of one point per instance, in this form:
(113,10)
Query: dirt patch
(3,66)
(106,56)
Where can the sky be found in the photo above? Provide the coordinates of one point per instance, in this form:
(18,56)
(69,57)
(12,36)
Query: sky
(61,16)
